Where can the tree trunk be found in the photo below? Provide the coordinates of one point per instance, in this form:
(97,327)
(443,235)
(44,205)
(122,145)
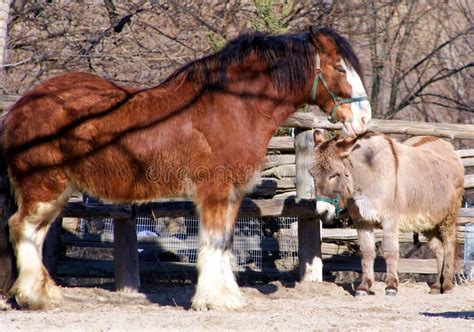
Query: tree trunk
(4,10)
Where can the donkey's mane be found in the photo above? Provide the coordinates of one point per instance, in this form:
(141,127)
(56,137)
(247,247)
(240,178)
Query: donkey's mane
(333,141)
(288,58)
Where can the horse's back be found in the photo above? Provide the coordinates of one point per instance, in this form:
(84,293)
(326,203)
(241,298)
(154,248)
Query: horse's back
(58,110)
(431,177)
(58,104)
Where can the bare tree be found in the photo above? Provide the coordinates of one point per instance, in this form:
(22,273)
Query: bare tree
(4,10)
(417,55)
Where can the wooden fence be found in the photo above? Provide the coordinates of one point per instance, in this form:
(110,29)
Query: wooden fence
(287,184)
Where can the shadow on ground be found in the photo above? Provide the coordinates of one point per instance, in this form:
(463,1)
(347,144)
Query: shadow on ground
(451,314)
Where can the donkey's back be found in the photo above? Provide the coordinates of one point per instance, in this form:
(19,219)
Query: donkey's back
(430,182)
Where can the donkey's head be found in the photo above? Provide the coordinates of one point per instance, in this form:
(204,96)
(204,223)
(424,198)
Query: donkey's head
(337,88)
(332,178)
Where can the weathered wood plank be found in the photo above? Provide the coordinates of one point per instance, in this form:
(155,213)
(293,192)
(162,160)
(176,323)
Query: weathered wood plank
(468,162)
(350,234)
(278,159)
(282,143)
(87,268)
(80,210)
(281,171)
(448,130)
(465,153)
(405,265)
(468,181)
(288,207)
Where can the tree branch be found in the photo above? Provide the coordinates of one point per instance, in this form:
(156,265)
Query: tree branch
(435,78)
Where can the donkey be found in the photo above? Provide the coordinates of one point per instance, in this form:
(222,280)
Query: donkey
(414,186)
(202,133)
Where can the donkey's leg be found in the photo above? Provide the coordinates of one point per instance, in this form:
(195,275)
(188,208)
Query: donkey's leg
(34,288)
(435,243)
(217,288)
(391,254)
(449,238)
(367,250)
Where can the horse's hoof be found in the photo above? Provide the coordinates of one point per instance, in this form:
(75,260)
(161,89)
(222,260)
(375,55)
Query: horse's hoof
(361,293)
(391,292)
(224,303)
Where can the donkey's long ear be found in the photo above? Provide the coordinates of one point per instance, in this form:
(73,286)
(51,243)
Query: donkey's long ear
(318,137)
(346,146)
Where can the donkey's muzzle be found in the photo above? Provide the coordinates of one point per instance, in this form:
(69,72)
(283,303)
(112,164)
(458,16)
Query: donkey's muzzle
(326,211)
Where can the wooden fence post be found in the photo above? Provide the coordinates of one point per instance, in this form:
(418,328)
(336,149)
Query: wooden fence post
(127,273)
(7,258)
(309,229)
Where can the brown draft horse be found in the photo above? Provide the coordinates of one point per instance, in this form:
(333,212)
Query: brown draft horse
(414,186)
(202,133)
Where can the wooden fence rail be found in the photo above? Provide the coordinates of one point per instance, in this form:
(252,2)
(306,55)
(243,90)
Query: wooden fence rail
(288,207)
(447,130)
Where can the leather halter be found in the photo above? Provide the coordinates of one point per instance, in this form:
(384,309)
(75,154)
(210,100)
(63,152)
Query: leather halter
(318,76)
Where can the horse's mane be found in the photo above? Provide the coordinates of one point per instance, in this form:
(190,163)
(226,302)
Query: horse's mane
(289,58)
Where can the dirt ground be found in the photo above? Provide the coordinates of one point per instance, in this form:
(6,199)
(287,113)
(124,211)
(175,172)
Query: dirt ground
(274,306)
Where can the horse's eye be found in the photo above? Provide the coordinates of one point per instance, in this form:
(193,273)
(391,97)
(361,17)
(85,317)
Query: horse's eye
(341,69)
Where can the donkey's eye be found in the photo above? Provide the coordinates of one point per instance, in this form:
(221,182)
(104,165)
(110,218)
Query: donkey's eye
(341,69)
(334,176)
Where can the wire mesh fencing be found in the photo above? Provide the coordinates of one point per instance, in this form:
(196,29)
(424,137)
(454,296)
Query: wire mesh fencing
(469,251)
(255,247)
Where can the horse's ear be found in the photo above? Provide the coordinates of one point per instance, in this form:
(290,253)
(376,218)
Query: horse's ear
(345,146)
(318,137)
(321,42)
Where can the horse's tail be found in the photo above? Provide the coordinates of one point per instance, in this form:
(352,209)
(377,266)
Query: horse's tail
(7,207)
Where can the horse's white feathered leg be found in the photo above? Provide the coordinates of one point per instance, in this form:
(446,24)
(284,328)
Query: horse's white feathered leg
(216,288)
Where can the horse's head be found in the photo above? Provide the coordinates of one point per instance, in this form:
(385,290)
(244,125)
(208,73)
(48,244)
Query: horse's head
(337,87)
(332,178)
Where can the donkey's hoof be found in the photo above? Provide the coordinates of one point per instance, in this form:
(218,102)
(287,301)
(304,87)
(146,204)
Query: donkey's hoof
(435,290)
(361,293)
(391,292)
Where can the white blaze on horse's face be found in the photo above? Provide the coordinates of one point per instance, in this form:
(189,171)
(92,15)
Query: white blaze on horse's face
(361,111)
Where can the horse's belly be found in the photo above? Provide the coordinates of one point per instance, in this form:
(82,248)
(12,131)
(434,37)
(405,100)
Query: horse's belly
(119,177)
